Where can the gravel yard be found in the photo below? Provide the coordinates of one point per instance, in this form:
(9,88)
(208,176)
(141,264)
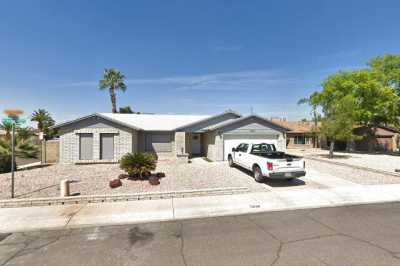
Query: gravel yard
(94,179)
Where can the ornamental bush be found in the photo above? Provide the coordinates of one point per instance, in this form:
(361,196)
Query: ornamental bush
(5,163)
(138,163)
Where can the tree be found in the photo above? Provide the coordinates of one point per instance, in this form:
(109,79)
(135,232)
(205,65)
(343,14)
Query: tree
(126,110)
(373,102)
(25,133)
(112,80)
(316,117)
(389,66)
(339,121)
(7,128)
(44,122)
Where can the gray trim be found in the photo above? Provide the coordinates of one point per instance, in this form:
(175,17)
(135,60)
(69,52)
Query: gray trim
(229,123)
(94,115)
(205,120)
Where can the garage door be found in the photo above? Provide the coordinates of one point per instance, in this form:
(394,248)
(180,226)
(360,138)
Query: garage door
(159,142)
(232,141)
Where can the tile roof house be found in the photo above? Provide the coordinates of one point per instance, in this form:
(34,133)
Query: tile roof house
(301,134)
(106,137)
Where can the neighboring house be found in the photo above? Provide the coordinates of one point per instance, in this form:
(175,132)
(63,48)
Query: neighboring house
(386,139)
(301,134)
(106,137)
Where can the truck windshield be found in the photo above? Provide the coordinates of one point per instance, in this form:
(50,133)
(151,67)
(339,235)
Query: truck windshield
(263,148)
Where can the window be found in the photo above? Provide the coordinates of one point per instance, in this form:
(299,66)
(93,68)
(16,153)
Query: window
(301,140)
(242,147)
(263,148)
(85,146)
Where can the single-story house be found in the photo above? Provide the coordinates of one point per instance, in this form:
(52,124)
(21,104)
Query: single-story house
(386,139)
(106,137)
(301,134)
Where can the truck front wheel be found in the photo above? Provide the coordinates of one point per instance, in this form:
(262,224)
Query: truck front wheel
(258,174)
(230,161)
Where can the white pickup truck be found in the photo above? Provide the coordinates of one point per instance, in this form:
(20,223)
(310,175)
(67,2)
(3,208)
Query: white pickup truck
(266,162)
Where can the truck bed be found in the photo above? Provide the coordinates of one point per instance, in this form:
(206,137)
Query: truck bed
(277,155)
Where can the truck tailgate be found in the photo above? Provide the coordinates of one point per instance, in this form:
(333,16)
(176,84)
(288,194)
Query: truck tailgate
(284,165)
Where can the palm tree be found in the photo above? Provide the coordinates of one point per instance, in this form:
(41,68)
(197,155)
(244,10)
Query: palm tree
(25,133)
(23,148)
(7,127)
(125,110)
(43,119)
(112,80)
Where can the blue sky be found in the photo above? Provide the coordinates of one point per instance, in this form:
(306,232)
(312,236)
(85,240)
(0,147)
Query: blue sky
(185,56)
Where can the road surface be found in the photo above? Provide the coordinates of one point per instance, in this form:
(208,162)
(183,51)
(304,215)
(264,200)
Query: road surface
(356,235)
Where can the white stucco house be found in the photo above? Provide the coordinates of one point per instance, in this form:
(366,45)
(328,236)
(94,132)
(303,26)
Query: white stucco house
(106,137)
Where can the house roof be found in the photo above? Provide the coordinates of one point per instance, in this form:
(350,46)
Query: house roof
(234,121)
(381,131)
(297,126)
(148,122)
(166,122)
(155,122)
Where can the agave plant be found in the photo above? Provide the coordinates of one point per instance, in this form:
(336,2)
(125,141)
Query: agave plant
(138,163)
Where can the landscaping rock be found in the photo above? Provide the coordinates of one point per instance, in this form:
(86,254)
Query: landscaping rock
(154,180)
(115,183)
(123,176)
(160,175)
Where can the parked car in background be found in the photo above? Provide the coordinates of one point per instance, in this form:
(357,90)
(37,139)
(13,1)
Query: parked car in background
(266,162)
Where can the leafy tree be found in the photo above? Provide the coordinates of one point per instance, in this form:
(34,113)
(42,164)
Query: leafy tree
(112,80)
(339,121)
(126,110)
(44,122)
(389,66)
(374,103)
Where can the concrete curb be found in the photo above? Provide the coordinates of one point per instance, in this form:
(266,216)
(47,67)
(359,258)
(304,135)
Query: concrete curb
(50,201)
(353,166)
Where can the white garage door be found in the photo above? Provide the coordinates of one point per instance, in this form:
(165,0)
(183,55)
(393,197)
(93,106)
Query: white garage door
(232,141)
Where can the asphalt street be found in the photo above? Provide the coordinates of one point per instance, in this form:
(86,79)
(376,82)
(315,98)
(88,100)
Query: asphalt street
(355,235)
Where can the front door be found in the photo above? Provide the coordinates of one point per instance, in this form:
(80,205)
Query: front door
(196,144)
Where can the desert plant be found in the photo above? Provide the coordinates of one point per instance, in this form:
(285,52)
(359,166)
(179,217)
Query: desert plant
(23,148)
(138,163)
(5,163)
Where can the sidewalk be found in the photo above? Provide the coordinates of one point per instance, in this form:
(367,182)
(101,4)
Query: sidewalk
(100,214)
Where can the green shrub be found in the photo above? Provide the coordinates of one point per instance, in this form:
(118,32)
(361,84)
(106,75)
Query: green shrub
(138,163)
(5,163)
